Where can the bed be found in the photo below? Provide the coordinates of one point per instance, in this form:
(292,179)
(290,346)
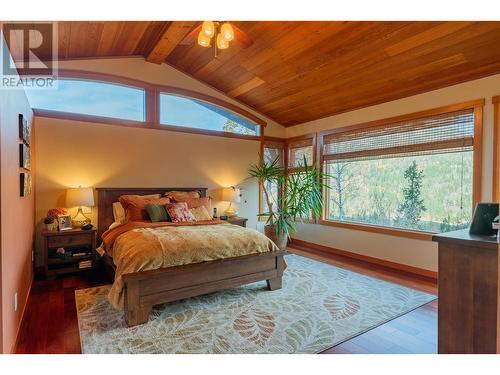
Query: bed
(142,290)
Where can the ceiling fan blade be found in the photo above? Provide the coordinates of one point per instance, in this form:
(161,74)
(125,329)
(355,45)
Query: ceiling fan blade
(241,37)
(191,37)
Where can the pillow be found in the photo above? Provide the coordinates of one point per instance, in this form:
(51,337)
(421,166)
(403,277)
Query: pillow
(200,213)
(179,212)
(150,196)
(156,212)
(180,196)
(134,206)
(119,211)
(114,225)
(197,202)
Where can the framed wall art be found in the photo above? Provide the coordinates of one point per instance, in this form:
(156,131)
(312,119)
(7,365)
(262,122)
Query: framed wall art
(24,156)
(24,130)
(24,184)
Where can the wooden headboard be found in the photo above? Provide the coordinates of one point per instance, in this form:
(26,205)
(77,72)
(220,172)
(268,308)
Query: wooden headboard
(106,197)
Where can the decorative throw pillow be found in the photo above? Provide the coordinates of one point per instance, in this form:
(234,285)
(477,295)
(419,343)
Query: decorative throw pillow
(157,212)
(197,202)
(200,213)
(181,196)
(134,206)
(179,212)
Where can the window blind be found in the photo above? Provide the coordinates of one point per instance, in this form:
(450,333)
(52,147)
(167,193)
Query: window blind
(448,132)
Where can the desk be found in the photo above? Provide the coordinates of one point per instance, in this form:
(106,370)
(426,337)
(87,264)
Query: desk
(468,293)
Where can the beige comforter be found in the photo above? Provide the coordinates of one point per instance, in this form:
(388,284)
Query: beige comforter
(140,246)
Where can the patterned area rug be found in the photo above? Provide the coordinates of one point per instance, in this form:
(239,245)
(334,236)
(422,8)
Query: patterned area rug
(318,307)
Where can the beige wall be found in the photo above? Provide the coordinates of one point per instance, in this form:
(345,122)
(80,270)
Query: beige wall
(416,253)
(17,217)
(138,68)
(71,153)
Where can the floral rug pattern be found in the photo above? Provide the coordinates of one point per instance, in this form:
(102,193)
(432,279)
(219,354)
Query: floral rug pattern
(318,307)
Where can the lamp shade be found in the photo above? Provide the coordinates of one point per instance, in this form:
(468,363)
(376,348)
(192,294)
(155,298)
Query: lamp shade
(229,195)
(77,197)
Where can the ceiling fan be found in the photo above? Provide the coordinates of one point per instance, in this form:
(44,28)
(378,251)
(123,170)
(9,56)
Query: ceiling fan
(222,33)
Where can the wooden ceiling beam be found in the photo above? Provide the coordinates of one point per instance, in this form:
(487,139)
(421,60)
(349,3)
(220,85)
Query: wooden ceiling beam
(170,37)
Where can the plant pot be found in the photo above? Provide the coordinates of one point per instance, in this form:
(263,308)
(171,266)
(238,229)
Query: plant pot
(280,240)
(51,227)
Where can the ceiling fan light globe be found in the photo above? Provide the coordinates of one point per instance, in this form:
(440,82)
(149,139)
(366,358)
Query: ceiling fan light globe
(208,29)
(227,32)
(221,42)
(203,40)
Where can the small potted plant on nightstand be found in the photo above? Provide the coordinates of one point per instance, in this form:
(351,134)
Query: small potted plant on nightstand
(301,196)
(50,223)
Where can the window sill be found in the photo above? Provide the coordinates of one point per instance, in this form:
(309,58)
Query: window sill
(425,236)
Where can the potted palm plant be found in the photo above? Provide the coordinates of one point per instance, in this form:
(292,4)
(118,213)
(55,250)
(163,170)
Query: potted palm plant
(300,197)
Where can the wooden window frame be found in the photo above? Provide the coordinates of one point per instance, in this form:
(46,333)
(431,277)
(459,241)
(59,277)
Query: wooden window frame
(152,106)
(286,146)
(314,140)
(496,145)
(476,105)
(306,137)
(264,141)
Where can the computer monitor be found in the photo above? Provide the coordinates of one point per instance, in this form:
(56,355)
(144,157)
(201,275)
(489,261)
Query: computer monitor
(485,215)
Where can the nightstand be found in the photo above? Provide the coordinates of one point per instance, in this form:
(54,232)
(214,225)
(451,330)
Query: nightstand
(79,246)
(236,220)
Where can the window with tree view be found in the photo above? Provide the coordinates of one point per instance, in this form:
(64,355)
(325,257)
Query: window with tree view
(300,154)
(415,175)
(194,113)
(273,151)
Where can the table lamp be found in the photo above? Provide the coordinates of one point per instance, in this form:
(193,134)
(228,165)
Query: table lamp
(80,197)
(230,194)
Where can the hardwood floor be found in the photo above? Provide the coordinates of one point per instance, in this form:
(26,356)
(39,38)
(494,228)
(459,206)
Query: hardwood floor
(50,322)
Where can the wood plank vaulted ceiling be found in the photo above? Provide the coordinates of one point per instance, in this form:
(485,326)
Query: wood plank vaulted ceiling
(296,72)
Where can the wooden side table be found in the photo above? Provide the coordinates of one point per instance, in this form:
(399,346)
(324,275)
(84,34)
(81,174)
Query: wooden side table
(79,246)
(468,293)
(236,220)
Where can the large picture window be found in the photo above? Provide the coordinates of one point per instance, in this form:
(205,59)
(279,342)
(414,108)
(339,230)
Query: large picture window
(198,114)
(93,98)
(414,175)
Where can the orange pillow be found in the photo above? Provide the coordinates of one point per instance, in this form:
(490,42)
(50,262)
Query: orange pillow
(180,196)
(197,202)
(135,206)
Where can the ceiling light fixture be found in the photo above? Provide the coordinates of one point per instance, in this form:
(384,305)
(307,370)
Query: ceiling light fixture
(208,29)
(221,42)
(227,32)
(223,33)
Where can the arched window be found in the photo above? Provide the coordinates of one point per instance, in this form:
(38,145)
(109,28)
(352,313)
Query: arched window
(95,98)
(115,100)
(183,111)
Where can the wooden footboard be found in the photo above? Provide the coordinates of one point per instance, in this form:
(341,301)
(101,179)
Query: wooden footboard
(143,290)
